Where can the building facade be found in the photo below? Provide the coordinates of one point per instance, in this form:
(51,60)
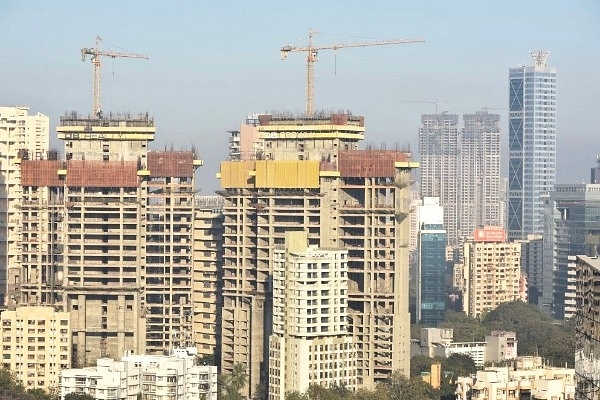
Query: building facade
(532,144)
(21,136)
(36,345)
(431,274)
(314,178)
(532,265)
(587,328)
(491,271)
(573,228)
(311,343)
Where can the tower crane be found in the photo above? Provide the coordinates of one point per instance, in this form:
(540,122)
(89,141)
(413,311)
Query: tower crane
(311,57)
(96,53)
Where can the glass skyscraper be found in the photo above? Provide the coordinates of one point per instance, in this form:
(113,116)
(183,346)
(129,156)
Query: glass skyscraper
(532,144)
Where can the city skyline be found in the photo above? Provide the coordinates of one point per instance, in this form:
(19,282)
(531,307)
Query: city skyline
(212,64)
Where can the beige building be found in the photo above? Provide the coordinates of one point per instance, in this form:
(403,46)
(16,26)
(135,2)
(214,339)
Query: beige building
(208,238)
(36,345)
(491,271)
(21,136)
(311,343)
(313,177)
(528,378)
(108,237)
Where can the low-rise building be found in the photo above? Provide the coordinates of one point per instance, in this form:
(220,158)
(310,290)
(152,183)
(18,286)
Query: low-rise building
(36,344)
(527,378)
(151,377)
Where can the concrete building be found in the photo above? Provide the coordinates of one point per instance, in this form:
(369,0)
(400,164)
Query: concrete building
(528,378)
(311,343)
(532,265)
(532,144)
(36,345)
(498,346)
(206,284)
(491,271)
(431,272)
(142,376)
(439,153)
(479,197)
(314,178)
(21,136)
(587,328)
(108,237)
(573,228)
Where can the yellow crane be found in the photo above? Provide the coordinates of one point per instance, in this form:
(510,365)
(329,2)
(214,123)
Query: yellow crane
(96,53)
(311,57)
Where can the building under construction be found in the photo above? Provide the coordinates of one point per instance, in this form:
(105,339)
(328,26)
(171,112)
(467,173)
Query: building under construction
(311,176)
(108,237)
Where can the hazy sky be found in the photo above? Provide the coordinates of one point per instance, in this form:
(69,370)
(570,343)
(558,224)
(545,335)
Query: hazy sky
(213,62)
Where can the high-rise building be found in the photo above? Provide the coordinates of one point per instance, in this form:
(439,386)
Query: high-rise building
(208,242)
(36,345)
(439,154)
(21,136)
(492,271)
(573,228)
(587,332)
(431,274)
(532,144)
(479,180)
(532,265)
(107,236)
(310,320)
(313,177)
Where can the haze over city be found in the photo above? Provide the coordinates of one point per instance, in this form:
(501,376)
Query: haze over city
(212,63)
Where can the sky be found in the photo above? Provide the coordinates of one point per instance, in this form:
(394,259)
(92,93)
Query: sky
(213,62)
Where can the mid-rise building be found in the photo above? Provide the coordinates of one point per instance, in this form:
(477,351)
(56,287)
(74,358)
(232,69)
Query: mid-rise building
(22,136)
(587,328)
(310,319)
(439,153)
(532,265)
(431,272)
(314,178)
(573,228)
(479,197)
(528,378)
(36,345)
(532,144)
(491,271)
(143,377)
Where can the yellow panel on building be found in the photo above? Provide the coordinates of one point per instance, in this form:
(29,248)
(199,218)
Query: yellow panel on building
(287,174)
(236,174)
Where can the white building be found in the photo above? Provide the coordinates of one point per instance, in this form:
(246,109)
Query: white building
(154,377)
(21,136)
(527,378)
(310,342)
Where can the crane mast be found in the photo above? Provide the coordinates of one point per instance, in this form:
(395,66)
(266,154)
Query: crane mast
(311,57)
(95,52)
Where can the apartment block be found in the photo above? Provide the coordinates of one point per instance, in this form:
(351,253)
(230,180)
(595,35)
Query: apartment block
(144,377)
(532,265)
(206,284)
(36,345)
(528,378)
(491,271)
(587,328)
(313,177)
(108,237)
(21,136)
(311,343)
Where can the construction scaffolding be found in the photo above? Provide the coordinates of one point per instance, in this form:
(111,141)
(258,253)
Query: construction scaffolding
(171,163)
(84,173)
(370,163)
(41,173)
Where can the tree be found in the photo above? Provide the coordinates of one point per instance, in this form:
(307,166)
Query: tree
(78,396)
(231,384)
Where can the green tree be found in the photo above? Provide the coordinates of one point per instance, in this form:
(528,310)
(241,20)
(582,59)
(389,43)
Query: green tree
(231,384)
(9,382)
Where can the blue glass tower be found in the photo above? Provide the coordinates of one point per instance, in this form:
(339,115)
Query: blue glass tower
(532,145)
(432,241)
